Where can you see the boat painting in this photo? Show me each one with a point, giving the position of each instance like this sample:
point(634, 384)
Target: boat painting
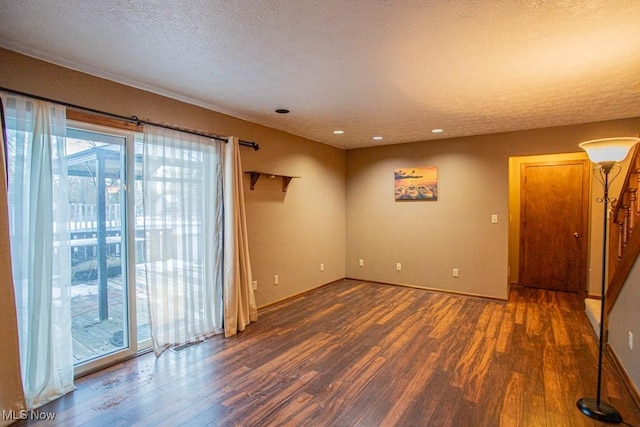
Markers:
point(416, 183)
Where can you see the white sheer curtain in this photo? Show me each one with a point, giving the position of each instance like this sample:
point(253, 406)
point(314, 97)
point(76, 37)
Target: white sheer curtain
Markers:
point(239, 300)
point(38, 211)
point(183, 208)
point(11, 392)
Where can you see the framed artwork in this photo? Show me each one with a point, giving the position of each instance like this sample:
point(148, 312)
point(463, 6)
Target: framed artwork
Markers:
point(416, 183)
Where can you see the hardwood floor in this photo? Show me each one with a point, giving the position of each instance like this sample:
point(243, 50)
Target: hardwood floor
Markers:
point(365, 354)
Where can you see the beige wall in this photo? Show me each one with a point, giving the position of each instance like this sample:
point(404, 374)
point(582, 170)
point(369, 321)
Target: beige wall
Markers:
point(432, 238)
point(625, 318)
point(292, 233)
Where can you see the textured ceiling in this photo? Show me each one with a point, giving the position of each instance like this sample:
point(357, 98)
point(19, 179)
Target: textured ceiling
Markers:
point(394, 68)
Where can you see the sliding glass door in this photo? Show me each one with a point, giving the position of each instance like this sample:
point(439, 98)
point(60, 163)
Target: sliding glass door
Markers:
point(108, 295)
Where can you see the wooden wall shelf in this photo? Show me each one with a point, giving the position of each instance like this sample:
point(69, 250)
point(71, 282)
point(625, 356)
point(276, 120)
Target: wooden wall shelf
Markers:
point(255, 176)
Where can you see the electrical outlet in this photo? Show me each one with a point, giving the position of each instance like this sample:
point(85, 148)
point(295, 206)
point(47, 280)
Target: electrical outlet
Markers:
point(494, 219)
point(361, 263)
point(455, 273)
point(630, 340)
point(321, 267)
point(255, 285)
point(276, 279)
point(398, 266)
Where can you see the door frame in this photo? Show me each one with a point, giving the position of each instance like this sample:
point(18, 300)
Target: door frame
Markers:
point(585, 227)
point(513, 264)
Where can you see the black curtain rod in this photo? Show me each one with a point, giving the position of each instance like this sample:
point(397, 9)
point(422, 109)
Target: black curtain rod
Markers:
point(132, 119)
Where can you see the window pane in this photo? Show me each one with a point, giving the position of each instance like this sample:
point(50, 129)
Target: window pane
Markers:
point(98, 265)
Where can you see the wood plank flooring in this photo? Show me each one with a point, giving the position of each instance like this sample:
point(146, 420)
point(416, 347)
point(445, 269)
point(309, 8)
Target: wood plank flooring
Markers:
point(365, 354)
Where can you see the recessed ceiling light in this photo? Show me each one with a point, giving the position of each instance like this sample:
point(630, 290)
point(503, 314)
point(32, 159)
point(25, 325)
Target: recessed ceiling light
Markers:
point(338, 132)
point(437, 130)
point(282, 111)
point(377, 138)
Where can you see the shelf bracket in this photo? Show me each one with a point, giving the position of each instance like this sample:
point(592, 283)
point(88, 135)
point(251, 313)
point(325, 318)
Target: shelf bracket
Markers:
point(285, 183)
point(255, 176)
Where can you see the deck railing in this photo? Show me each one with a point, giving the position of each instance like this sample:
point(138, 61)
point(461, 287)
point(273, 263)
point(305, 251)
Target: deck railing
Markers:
point(84, 216)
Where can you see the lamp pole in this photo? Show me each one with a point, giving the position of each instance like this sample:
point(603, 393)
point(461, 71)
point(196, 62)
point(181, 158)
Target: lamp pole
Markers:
point(595, 408)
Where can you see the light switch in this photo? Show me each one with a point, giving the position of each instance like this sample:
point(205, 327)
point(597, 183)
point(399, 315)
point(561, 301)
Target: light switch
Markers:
point(494, 219)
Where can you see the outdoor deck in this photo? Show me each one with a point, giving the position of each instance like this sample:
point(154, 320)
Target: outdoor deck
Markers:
point(93, 338)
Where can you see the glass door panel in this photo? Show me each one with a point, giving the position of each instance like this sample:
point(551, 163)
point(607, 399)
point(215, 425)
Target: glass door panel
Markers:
point(97, 205)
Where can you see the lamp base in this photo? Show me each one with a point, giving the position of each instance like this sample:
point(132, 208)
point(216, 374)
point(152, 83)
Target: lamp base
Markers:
point(603, 412)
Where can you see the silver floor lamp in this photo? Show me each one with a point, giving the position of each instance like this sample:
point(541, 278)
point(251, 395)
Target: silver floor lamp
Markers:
point(604, 152)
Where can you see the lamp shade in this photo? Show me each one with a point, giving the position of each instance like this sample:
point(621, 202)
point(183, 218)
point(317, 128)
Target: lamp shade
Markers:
point(608, 150)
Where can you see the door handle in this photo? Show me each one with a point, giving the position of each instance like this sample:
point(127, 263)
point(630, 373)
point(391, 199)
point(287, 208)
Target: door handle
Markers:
point(576, 235)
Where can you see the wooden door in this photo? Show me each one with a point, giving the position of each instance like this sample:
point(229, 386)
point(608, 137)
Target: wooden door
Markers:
point(554, 225)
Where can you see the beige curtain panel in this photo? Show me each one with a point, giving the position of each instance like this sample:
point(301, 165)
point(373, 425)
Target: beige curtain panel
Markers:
point(239, 300)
